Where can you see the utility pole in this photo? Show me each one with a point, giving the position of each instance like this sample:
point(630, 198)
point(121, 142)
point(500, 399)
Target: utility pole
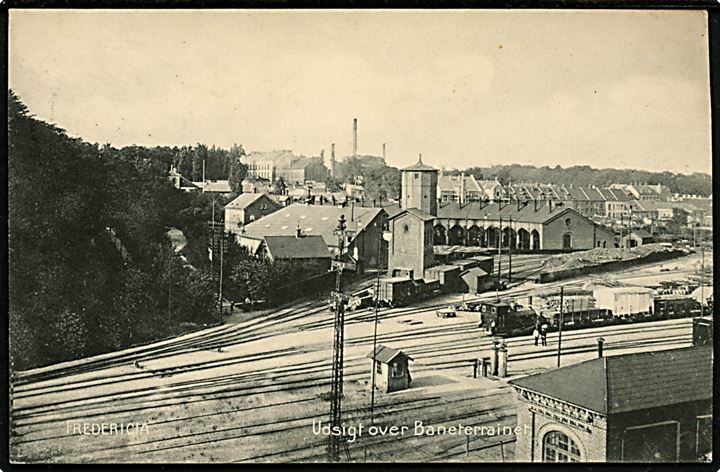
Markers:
point(336, 391)
point(499, 238)
point(510, 241)
point(560, 326)
point(702, 276)
point(377, 299)
point(223, 248)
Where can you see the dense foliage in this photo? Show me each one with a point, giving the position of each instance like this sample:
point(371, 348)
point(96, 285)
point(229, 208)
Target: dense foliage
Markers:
point(90, 268)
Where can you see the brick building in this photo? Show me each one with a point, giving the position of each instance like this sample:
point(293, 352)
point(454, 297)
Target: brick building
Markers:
point(641, 407)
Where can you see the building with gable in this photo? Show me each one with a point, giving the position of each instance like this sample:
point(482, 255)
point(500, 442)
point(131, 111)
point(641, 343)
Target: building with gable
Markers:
point(640, 407)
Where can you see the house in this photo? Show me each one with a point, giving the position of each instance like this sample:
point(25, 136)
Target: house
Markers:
point(363, 241)
point(300, 248)
point(390, 369)
point(640, 407)
point(459, 188)
point(493, 190)
point(637, 237)
point(246, 208)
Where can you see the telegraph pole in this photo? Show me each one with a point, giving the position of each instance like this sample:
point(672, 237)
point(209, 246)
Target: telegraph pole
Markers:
point(510, 241)
point(499, 252)
point(336, 391)
point(560, 326)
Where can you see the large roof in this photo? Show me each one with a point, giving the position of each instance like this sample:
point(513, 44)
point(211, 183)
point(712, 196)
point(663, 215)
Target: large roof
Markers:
point(291, 247)
point(525, 212)
point(629, 382)
point(385, 354)
point(313, 220)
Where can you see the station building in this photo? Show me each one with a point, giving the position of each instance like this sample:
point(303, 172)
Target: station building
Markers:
point(640, 407)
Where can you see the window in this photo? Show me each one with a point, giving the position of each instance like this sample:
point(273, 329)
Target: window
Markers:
point(417, 176)
point(397, 370)
point(558, 447)
point(704, 436)
point(567, 222)
point(378, 367)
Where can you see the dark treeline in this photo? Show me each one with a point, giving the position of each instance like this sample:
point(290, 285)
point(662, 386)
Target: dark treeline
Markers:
point(90, 267)
point(696, 183)
point(381, 182)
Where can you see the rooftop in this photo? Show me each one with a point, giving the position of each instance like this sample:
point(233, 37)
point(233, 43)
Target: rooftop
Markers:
point(629, 382)
point(419, 166)
point(524, 212)
point(244, 200)
point(292, 247)
point(313, 220)
point(385, 354)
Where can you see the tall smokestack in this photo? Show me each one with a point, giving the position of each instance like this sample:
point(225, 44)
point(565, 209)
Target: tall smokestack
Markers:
point(383, 151)
point(332, 159)
point(462, 188)
point(354, 137)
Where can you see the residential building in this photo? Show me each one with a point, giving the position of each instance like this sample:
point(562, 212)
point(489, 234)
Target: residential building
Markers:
point(246, 208)
point(459, 188)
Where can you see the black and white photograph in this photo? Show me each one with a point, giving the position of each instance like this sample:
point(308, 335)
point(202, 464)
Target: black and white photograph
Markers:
point(359, 236)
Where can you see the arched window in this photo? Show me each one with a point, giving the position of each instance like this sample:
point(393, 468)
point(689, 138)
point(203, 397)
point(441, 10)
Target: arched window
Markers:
point(558, 447)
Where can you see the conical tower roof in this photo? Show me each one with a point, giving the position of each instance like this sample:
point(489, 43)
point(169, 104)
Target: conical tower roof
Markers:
point(419, 166)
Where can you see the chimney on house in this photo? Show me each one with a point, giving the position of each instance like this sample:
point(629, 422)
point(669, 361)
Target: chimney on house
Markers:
point(354, 137)
point(298, 231)
point(551, 205)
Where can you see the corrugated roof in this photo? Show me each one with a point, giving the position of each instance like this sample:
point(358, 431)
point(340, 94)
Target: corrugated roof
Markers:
point(291, 247)
point(385, 354)
point(629, 382)
point(313, 220)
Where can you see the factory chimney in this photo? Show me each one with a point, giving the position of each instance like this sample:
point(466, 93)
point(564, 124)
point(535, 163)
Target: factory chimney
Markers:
point(354, 137)
point(383, 151)
point(332, 159)
point(462, 188)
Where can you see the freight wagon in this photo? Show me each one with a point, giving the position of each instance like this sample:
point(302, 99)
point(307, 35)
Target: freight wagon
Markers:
point(400, 291)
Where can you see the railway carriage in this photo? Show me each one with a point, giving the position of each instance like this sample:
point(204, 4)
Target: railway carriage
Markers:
point(400, 291)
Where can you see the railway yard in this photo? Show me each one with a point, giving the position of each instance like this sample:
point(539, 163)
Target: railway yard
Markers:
point(254, 390)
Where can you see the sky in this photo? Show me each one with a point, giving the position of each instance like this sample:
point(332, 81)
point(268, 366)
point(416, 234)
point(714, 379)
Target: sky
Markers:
point(620, 89)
